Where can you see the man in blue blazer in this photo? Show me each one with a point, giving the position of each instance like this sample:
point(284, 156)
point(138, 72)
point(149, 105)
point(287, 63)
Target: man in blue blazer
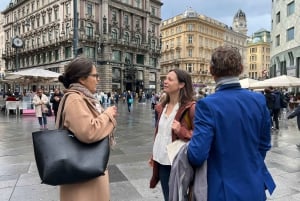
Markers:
point(232, 132)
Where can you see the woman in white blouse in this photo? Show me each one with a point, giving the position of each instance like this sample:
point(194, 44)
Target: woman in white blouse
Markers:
point(171, 124)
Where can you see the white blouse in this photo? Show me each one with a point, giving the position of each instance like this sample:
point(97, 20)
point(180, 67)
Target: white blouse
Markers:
point(164, 136)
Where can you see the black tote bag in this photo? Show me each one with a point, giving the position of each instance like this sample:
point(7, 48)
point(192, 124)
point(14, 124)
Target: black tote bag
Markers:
point(62, 159)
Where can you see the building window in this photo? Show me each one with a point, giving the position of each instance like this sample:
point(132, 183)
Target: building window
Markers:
point(55, 14)
point(50, 17)
point(153, 44)
point(190, 27)
point(126, 37)
point(190, 39)
point(68, 52)
point(140, 59)
point(116, 55)
point(50, 56)
point(68, 10)
point(56, 55)
point(291, 57)
point(43, 57)
point(153, 10)
point(277, 40)
point(290, 8)
point(113, 15)
point(44, 19)
point(138, 39)
point(153, 28)
point(89, 9)
point(126, 20)
point(290, 34)
point(49, 35)
point(114, 34)
point(153, 61)
point(190, 53)
point(89, 52)
point(89, 30)
point(138, 3)
point(189, 68)
point(277, 17)
point(68, 28)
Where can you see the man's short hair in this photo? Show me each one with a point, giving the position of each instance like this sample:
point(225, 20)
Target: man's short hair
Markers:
point(226, 61)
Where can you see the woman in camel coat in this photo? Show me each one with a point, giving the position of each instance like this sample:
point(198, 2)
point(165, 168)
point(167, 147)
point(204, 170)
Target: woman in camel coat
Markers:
point(83, 115)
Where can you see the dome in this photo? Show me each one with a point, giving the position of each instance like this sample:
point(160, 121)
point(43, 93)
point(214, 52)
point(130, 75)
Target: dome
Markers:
point(190, 13)
point(240, 14)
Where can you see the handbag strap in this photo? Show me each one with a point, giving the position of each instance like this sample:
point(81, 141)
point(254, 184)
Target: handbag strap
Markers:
point(61, 111)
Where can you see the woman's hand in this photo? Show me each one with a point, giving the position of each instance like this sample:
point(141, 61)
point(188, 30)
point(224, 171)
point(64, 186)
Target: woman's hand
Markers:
point(113, 110)
point(150, 162)
point(176, 126)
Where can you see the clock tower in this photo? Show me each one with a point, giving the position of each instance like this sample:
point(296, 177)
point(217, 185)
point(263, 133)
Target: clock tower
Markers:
point(240, 22)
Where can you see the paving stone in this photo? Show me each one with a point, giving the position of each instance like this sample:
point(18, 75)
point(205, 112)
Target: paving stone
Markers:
point(128, 164)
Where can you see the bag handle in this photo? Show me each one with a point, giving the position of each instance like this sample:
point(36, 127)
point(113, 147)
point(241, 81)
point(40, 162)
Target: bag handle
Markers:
point(61, 111)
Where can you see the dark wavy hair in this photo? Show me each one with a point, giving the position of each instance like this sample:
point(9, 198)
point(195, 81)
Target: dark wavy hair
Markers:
point(186, 93)
point(79, 67)
point(226, 61)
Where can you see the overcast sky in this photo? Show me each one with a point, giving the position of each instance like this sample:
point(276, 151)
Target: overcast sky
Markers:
point(258, 12)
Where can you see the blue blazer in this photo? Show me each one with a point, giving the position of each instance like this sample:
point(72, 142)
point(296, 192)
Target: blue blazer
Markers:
point(232, 132)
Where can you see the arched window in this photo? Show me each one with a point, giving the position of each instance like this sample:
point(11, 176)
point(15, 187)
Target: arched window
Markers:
point(89, 30)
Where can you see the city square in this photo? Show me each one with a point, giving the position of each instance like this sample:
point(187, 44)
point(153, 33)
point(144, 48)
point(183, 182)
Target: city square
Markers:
point(128, 165)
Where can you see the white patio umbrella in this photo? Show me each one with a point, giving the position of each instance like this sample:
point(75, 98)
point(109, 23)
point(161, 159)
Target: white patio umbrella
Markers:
point(280, 81)
point(245, 83)
point(41, 73)
point(31, 76)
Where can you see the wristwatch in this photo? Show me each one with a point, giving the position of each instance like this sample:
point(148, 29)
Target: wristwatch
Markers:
point(17, 42)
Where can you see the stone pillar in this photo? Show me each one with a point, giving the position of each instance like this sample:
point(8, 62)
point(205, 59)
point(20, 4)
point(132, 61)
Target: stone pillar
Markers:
point(105, 72)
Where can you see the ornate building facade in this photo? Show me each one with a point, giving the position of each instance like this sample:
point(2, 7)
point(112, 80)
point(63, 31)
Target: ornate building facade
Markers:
point(258, 58)
point(188, 40)
point(121, 36)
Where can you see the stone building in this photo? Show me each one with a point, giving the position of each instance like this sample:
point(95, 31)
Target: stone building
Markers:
point(285, 49)
point(188, 40)
point(258, 58)
point(120, 36)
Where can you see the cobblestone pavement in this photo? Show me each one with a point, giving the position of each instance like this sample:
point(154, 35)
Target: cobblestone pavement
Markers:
point(129, 170)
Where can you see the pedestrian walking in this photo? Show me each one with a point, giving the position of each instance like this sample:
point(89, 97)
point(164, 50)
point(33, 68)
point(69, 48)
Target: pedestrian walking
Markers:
point(129, 100)
point(232, 132)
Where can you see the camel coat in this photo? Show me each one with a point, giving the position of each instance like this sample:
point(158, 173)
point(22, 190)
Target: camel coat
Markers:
point(81, 117)
point(38, 107)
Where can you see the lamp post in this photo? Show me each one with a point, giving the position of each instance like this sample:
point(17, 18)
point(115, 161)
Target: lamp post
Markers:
point(75, 30)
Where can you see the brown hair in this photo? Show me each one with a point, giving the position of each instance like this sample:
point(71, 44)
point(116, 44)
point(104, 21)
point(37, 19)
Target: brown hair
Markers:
point(186, 93)
point(79, 67)
point(226, 61)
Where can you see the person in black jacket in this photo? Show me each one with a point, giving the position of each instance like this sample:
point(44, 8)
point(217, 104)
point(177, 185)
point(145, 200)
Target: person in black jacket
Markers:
point(55, 100)
point(270, 100)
